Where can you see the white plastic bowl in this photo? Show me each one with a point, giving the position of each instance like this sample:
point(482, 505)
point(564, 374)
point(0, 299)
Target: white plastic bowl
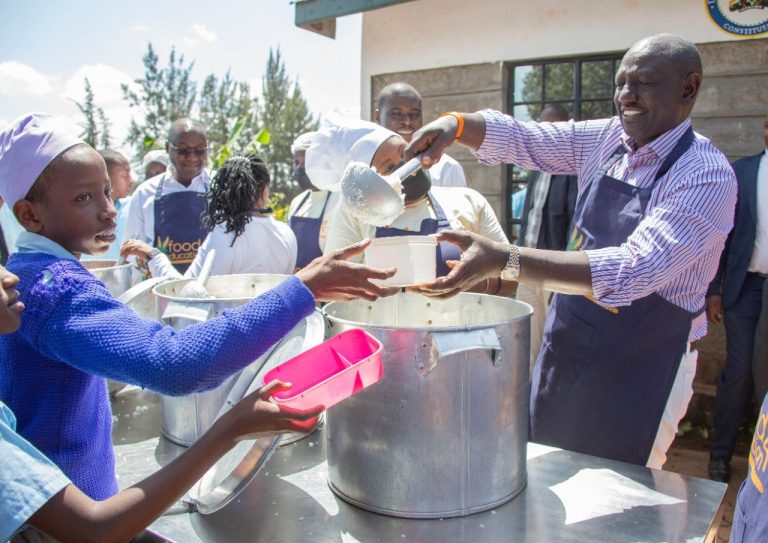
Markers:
point(413, 256)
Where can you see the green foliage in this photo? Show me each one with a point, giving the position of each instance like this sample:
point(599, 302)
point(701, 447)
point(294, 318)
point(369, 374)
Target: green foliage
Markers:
point(220, 103)
point(284, 113)
point(279, 205)
point(95, 136)
point(165, 94)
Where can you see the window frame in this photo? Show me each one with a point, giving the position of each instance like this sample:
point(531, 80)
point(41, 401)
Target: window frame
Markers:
point(512, 178)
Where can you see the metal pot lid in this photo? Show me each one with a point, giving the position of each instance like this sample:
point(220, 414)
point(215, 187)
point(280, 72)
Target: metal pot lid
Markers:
point(236, 469)
point(140, 297)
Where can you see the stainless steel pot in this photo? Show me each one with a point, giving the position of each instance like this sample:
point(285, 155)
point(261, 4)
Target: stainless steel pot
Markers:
point(186, 418)
point(118, 278)
point(444, 432)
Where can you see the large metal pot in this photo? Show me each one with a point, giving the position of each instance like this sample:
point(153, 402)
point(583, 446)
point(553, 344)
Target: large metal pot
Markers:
point(186, 418)
point(118, 278)
point(444, 432)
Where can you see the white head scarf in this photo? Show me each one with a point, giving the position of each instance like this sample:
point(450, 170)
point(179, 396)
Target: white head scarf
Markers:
point(27, 147)
point(302, 142)
point(158, 155)
point(339, 141)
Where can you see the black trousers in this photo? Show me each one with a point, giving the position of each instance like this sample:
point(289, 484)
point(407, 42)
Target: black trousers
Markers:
point(736, 383)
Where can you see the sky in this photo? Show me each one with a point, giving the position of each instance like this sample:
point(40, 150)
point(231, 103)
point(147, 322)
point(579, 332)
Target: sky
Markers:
point(48, 48)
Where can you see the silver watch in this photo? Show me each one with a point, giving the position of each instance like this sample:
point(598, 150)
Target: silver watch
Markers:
point(511, 270)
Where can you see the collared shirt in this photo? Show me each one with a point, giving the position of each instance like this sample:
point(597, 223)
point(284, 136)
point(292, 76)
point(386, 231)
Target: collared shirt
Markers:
point(447, 172)
point(675, 249)
point(29, 242)
point(539, 197)
point(28, 479)
point(759, 261)
point(141, 213)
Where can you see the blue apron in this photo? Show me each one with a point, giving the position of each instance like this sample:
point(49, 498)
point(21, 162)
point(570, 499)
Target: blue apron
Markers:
point(750, 518)
point(603, 377)
point(179, 231)
point(445, 250)
point(307, 232)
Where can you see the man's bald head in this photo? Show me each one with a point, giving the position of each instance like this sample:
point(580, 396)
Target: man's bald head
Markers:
point(397, 89)
point(185, 124)
point(656, 86)
point(679, 51)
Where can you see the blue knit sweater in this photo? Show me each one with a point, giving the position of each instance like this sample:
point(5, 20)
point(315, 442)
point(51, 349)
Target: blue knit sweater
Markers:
point(74, 334)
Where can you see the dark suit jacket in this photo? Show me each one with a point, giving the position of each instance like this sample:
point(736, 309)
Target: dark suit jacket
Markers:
point(741, 241)
point(557, 212)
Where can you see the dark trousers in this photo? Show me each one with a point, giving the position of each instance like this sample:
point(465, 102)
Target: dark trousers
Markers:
point(760, 355)
point(736, 384)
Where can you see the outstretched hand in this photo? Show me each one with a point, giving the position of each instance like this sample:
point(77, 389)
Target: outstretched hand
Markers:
point(481, 258)
point(256, 416)
point(333, 278)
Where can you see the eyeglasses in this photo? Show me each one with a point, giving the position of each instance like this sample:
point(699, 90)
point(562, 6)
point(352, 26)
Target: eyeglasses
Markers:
point(401, 115)
point(186, 152)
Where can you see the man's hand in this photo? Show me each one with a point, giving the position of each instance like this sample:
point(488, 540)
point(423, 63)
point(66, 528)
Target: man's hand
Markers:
point(334, 278)
point(432, 139)
point(714, 309)
point(481, 258)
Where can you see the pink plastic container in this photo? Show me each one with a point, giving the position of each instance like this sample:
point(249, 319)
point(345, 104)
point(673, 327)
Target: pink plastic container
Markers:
point(330, 372)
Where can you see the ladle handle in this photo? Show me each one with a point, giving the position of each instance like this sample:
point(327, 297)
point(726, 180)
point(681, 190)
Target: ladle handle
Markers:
point(205, 271)
point(409, 168)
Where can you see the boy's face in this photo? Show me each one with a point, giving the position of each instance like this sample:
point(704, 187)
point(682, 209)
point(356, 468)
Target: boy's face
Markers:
point(77, 211)
point(120, 175)
point(10, 305)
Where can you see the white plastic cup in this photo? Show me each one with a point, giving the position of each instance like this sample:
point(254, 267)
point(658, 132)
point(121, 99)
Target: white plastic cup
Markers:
point(413, 256)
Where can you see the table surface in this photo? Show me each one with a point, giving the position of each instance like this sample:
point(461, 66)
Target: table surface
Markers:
point(569, 497)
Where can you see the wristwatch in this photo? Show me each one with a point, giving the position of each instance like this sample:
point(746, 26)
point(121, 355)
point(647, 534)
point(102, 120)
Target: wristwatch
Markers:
point(153, 253)
point(511, 270)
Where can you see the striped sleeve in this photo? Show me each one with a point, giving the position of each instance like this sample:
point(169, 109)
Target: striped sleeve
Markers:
point(682, 233)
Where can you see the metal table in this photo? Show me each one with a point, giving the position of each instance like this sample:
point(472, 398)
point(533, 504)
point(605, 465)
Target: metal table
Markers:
point(570, 497)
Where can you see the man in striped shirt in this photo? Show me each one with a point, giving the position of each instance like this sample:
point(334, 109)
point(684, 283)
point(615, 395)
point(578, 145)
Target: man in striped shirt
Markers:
point(655, 205)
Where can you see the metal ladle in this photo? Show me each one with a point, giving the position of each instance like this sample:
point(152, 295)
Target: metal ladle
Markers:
point(372, 198)
point(196, 287)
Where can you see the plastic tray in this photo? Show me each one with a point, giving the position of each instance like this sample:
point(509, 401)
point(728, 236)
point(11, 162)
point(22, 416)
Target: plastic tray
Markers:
point(330, 372)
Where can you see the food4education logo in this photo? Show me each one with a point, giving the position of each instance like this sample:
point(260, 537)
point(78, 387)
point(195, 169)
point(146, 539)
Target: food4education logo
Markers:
point(743, 18)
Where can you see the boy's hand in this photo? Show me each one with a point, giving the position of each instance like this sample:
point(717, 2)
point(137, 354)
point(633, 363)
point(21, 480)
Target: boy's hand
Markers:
point(255, 416)
point(333, 278)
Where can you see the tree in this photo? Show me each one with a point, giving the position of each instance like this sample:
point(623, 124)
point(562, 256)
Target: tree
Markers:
point(282, 111)
point(164, 95)
point(91, 132)
point(221, 105)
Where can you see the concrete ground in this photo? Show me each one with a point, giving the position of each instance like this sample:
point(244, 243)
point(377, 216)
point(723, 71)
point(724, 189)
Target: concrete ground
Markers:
point(694, 463)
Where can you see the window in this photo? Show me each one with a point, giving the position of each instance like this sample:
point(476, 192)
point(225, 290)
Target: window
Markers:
point(584, 86)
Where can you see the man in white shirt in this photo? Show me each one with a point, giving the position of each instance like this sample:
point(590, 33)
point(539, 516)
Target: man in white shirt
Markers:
point(735, 298)
point(399, 109)
point(165, 210)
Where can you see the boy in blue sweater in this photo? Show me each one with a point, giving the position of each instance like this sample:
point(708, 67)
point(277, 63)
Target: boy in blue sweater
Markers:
point(75, 334)
point(34, 491)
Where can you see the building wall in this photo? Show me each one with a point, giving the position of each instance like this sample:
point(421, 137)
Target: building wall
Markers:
point(456, 53)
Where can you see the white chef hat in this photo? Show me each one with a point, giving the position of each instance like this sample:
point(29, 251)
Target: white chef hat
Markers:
point(158, 155)
point(339, 141)
point(302, 143)
point(27, 147)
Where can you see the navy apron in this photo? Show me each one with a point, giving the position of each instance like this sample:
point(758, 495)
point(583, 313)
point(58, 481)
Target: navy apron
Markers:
point(307, 232)
point(445, 250)
point(750, 518)
point(179, 230)
point(603, 377)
